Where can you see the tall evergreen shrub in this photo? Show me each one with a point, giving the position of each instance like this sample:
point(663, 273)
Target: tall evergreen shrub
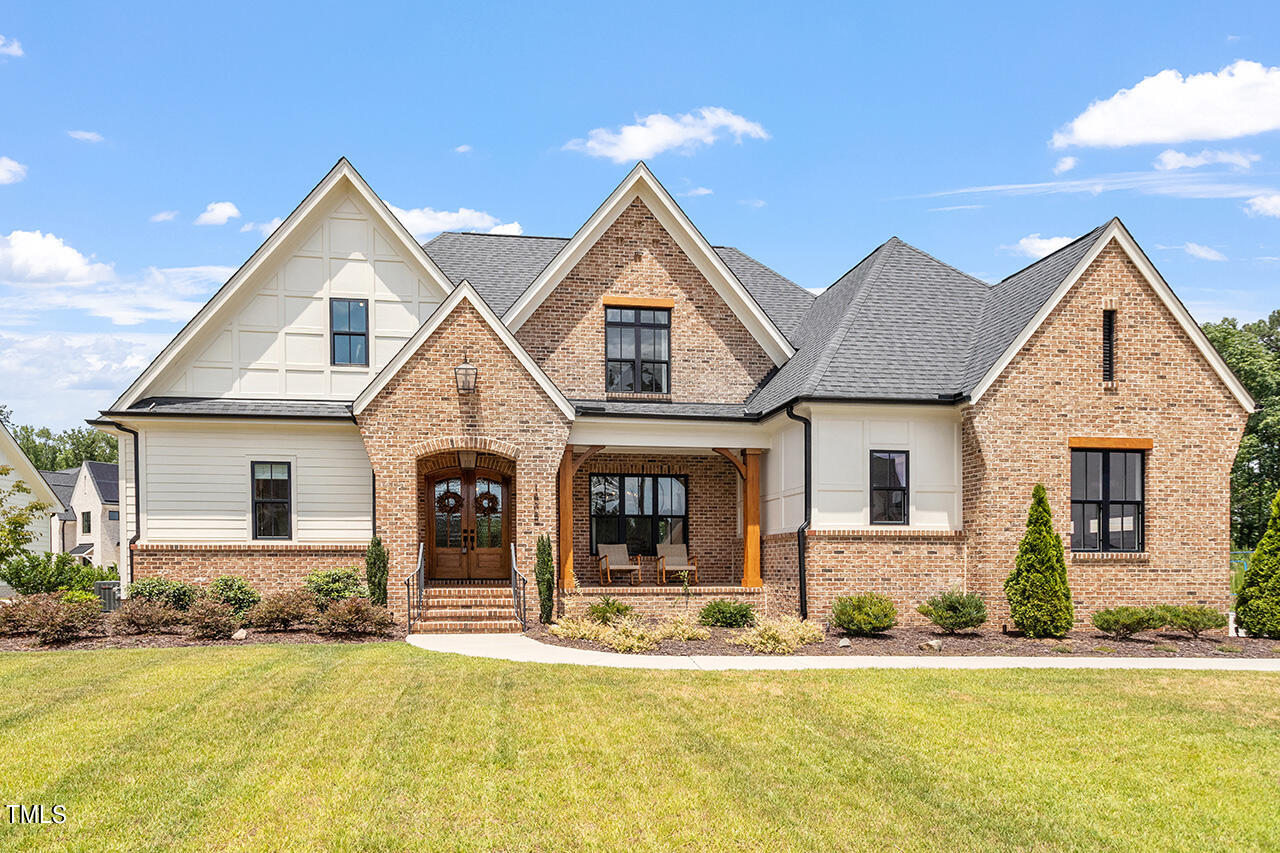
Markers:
point(1258, 604)
point(376, 563)
point(544, 572)
point(1039, 598)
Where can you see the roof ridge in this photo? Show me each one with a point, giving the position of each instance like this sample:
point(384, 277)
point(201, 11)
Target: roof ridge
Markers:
point(487, 234)
point(1058, 250)
point(943, 263)
point(841, 330)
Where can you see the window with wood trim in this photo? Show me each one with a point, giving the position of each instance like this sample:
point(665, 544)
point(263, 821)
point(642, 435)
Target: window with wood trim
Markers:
point(272, 500)
point(349, 324)
point(1107, 504)
point(1108, 346)
point(889, 487)
point(641, 510)
point(637, 349)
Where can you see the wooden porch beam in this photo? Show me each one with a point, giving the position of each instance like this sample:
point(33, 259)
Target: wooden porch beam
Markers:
point(581, 458)
point(732, 456)
point(751, 520)
point(566, 520)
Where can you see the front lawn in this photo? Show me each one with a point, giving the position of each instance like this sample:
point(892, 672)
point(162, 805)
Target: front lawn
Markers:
point(385, 747)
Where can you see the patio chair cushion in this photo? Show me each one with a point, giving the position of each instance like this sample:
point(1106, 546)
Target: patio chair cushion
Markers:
point(616, 554)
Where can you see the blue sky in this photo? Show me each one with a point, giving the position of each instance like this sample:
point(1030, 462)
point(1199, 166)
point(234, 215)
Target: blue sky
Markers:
point(819, 132)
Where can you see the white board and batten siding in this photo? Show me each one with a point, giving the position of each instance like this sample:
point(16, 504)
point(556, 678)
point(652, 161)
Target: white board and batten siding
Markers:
point(197, 481)
point(276, 343)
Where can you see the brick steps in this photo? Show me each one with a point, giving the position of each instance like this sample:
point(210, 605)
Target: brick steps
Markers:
point(467, 610)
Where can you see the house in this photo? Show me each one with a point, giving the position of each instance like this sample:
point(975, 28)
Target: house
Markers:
point(635, 384)
point(21, 469)
point(89, 527)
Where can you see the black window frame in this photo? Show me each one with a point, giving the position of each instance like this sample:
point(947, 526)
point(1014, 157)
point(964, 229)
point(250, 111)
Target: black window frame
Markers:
point(113, 515)
point(1109, 345)
point(636, 326)
point(86, 522)
point(255, 500)
point(347, 334)
point(1104, 503)
point(905, 488)
point(655, 517)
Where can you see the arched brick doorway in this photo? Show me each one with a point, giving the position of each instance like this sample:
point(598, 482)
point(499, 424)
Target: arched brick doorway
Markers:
point(466, 515)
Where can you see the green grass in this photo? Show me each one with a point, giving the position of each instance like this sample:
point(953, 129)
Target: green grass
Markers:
point(385, 747)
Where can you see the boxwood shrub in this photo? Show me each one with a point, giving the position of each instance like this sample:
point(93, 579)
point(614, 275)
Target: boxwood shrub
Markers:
point(954, 611)
point(862, 615)
point(723, 613)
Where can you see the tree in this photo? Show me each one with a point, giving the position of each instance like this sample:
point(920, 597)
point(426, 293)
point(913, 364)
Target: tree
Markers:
point(1258, 604)
point(376, 562)
point(17, 515)
point(6, 416)
point(1253, 354)
point(1039, 598)
point(67, 449)
point(545, 574)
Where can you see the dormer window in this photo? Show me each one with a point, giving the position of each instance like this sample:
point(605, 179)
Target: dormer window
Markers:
point(637, 345)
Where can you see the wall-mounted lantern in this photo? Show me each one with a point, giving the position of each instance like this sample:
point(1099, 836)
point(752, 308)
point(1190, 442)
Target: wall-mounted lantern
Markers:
point(465, 374)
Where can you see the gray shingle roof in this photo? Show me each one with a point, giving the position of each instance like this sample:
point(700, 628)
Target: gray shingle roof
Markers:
point(238, 408)
point(106, 477)
point(502, 267)
point(642, 408)
point(63, 484)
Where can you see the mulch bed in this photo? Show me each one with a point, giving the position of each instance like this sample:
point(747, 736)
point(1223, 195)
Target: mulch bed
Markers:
point(181, 638)
point(907, 641)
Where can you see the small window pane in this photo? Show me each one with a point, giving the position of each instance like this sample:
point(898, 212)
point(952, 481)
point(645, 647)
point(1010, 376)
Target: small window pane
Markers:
point(341, 349)
point(1077, 476)
point(613, 342)
point(627, 315)
point(341, 315)
point(640, 535)
point(606, 531)
point(647, 344)
point(628, 343)
point(671, 531)
point(663, 318)
point(660, 344)
point(660, 378)
point(611, 315)
point(358, 355)
point(272, 519)
point(604, 495)
point(359, 322)
point(888, 507)
point(888, 469)
point(1093, 476)
point(646, 316)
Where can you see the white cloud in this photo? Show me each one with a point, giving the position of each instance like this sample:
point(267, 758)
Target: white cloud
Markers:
point(424, 221)
point(85, 135)
point(11, 171)
point(656, 133)
point(1204, 253)
point(163, 216)
point(263, 228)
point(955, 207)
point(217, 213)
point(1065, 164)
point(1240, 100)
point(1170, 159)
point(695, 192)
point(1035, 246)
point(1264, 205)
point(40, 272)
point(1178, 184)
point(753, 203)
point(10, 47)
point(462, 149)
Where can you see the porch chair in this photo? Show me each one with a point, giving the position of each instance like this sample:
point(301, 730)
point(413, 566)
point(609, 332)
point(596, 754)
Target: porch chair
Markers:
point(673, 559)
point(613, 560)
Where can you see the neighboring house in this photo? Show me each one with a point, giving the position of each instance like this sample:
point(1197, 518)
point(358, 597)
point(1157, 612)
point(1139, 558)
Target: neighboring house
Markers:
point(89, 529)
point(12, 457)
point(635, 384)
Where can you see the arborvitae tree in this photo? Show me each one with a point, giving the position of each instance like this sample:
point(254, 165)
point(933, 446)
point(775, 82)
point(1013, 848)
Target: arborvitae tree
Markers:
point(1039, 598)
point(1258, 604)
point(376, 562)
point(545, 574)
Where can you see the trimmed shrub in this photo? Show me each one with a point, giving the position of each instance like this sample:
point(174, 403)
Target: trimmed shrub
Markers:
point(376, 566)
point(682, 629)
point(778, 636)
point(1196, 619)
point(55, 621)
point(1164, 614)
point(1123, 622)
point(723, 613)
point(1258, 604)
point(176, 594)
point(954, 610)
point(544, 573)
point(212, 620)
point(15, 617)
point(1039, 598)
point(353, 616)
point(579, 628)
point(607, 609)
point(862, 615)
point(139, 616)
point(330, 585)
point(32, 574)
point(235, 592)
point(283, 611)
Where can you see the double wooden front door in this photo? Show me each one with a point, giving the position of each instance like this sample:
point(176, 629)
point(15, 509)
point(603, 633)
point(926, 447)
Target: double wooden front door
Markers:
point(469, 524)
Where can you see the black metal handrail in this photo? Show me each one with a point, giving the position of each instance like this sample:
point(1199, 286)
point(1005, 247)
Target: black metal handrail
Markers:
point(518, 593)
point(413, 589)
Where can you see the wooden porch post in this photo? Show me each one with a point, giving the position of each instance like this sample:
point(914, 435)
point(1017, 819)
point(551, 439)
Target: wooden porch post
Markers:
point(751, 520)
point(566, 520)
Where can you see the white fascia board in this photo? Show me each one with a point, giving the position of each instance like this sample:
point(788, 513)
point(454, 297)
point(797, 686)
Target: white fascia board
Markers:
point(464, 291)
point(641, 183)
point(667, 433)
point(343, 173)
point(1116, 231)
point(25, 471)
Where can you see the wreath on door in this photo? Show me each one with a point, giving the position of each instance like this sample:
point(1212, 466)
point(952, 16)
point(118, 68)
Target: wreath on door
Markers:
point(487, 503)
point(449, 503)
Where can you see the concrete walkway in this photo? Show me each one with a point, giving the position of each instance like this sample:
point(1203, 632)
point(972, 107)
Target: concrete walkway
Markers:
point(517, 647)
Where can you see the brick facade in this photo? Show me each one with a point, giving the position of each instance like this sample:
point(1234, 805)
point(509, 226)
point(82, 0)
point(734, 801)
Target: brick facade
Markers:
point(712, 505)
point(269, 568)
point(713, 356)
point(419, 413)
point(1017, 435)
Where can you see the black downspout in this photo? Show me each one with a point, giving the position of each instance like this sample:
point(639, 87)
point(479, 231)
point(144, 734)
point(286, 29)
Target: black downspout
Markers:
point(137, 500)
point(802, 533)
